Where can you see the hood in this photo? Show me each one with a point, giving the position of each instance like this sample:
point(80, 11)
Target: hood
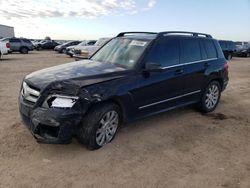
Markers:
point(71, 47)
point(92, 47)
point(86, 71)
point(59, 46)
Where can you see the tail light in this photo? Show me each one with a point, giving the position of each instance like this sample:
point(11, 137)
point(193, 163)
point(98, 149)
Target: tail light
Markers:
point(7, 45)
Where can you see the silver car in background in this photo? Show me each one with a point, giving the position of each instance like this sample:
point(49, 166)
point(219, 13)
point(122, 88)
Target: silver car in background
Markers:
point(85, 52)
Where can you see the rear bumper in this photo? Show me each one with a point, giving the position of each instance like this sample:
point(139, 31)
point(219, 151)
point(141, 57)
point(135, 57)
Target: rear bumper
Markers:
point(225, 83)
point(50, 126)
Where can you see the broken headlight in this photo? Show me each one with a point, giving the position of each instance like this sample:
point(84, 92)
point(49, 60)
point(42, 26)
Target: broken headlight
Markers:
point(60, 101)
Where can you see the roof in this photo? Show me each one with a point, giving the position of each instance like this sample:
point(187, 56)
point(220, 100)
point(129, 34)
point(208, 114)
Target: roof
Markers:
point(6, 26)
point(141, 37)
point(153, 35)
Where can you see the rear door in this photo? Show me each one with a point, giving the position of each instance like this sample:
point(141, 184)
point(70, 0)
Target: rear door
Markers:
point(157, 91)
point(15, 44)
point(197, 55)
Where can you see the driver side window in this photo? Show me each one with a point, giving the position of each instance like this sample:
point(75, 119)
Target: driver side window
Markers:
point(166, 52)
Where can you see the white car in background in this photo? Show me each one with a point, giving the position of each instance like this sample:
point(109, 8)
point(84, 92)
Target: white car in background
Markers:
point(4, 48)
point(85, 52)
point(70, 49)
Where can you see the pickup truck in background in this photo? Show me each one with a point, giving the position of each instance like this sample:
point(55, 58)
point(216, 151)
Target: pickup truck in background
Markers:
point(4, 48)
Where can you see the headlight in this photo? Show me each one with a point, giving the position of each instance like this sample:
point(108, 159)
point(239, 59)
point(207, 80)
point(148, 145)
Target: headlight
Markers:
point(84, 53)
point(60, 101)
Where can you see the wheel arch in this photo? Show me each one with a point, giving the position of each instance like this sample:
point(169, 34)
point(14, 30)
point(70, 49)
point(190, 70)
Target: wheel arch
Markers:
point(218, 79)
point(115, 100)
point(21, 47)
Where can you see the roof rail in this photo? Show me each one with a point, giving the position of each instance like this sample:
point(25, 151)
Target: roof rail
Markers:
point(184, 32)
point(135, 32)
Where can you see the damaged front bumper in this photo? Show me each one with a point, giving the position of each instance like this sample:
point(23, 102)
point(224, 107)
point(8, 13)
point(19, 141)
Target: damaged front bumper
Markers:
point(50, 125)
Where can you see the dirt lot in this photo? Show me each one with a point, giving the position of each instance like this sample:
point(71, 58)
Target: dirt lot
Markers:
point(181, 148)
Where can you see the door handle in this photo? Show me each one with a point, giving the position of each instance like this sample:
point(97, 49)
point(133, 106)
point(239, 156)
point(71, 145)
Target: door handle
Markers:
point(179, 71)
point(206, 65)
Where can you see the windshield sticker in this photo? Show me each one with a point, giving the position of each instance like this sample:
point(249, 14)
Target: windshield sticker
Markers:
point(138, 43)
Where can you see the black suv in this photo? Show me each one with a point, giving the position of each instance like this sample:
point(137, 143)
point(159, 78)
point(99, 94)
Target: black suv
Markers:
point(132, 76)
point(21, 45)
point(228, 48)
point(46, 45)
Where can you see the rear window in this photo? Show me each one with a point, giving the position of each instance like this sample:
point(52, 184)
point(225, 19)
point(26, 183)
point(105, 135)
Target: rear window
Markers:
point(190, 50)
point(26, 40)
point(210, 49)
point(14, 40)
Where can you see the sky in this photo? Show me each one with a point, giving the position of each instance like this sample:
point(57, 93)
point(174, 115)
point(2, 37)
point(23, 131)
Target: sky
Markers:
point(92, 19)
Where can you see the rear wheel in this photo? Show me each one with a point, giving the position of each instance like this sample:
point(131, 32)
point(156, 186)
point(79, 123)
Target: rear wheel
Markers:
point(24, 50)
point(210, 97)
point(99, 126)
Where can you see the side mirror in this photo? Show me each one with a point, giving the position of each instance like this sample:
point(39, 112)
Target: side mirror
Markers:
point(153, 66)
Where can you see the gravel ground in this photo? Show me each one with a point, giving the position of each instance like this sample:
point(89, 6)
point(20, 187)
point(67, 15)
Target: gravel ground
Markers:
point(180, 148)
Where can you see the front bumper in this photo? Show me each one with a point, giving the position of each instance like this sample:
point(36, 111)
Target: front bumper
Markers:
point(79, 57)
point(50, 126)
point(69, 52)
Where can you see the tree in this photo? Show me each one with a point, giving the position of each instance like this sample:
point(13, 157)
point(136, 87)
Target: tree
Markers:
point(47, 38)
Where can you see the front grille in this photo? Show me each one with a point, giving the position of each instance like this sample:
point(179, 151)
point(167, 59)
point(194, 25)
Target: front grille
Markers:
point(29, 94)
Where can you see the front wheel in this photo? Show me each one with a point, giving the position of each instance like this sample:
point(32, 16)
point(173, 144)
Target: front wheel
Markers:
point(99, 126)
point(64, 51)
point(210, 97)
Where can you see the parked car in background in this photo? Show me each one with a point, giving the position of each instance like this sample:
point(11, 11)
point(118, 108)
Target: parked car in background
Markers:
point(132, 76)
point(62, 47)
point(228, 48)
point(46, 45)
point(70, 49)
point(35, 42)
point(242, 49)
point(84, 52)
point(4, 47)
point(21, 45)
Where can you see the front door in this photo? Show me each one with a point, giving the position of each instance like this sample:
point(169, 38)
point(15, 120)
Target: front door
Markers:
point(158, 90)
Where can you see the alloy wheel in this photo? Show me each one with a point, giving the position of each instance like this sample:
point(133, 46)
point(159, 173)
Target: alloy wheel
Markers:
point(212, 96)
point(107, 128)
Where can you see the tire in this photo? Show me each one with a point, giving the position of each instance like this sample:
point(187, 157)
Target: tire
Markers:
point(99, 126)
point(248, 55)
point(24, 50)
point(0, 56)
point(210, 97)
point(38, 48)
point(63, 51)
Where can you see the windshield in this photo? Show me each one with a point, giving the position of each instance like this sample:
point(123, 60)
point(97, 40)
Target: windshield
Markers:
point(83, 43)
point(121, 52)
